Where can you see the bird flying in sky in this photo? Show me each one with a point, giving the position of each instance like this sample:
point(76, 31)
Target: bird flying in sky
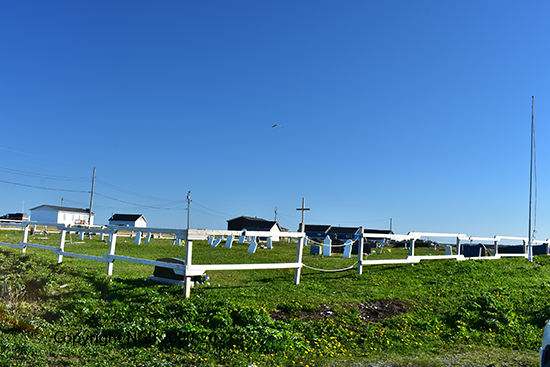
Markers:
point(275, 125)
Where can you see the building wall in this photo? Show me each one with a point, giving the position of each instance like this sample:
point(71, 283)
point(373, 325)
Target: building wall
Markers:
point(72, 218)
point(141, 223)
point(44, 215)
point(275, 229)
point(67, 218)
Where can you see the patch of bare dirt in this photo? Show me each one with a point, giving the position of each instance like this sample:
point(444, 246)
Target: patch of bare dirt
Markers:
point(378, 310)
point(369, 311)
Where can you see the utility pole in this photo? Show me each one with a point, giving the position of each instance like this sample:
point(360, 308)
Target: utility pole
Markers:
point(275, 214)
point(188, 208)
point(91, 200)
point(391, 219)
point(61, 201)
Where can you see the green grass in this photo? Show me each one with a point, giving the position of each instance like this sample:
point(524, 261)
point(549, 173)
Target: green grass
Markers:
point(489, 312)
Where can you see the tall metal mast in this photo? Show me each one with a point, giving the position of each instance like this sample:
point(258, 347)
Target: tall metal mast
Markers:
point(529, 248)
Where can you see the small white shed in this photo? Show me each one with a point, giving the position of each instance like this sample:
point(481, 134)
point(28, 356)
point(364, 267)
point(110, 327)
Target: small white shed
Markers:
point(61, 215)
point(128, 220)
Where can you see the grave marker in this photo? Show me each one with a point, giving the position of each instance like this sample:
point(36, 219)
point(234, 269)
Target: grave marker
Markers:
point(347, 248)
point(229, 241)
point(253, 245)
point(327, 243)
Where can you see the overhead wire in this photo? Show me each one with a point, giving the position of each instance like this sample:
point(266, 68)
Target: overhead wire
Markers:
point(114, 187)
point(98, 206)
point(212, 210)
point(34, 155)
point(136, 204)
point(333, 221)
point(44, 188)
point(41, 175)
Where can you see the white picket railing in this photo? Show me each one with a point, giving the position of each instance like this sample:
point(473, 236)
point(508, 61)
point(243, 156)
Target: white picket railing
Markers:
point(187, 269)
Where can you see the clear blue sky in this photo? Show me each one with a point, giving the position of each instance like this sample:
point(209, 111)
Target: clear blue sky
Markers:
point(418, 111)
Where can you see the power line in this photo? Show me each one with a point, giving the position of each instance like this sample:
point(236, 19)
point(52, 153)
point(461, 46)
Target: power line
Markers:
point(43, 188)
point(284, 220)
point(176, 202)
point(40, 175)
point(333, 221)
point(34, 155)
point(107, 207)
point(212, 210)
point(140, 205)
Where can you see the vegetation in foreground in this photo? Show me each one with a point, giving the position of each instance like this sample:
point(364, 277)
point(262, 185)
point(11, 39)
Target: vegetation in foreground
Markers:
point(436, 313)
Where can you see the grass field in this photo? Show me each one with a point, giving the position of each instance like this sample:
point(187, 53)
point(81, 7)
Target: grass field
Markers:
point(435, 313)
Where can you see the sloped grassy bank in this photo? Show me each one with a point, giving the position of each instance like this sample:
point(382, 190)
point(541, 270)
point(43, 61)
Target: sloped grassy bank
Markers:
point(435, 313)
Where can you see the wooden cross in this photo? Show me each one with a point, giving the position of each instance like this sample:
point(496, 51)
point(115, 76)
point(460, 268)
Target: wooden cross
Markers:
point(303, 209)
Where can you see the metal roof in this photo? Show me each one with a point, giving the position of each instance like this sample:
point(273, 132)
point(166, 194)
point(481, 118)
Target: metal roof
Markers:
point(64, 209)
point(127, 217)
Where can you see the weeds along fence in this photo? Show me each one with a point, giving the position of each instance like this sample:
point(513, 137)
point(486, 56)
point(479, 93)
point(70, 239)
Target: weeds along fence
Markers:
point(187, 269)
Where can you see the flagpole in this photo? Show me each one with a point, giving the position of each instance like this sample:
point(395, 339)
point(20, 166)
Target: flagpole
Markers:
point(529, 247)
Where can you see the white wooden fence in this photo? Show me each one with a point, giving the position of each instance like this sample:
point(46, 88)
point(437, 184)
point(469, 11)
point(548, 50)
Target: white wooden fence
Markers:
point(188, 269)
point(460, 238)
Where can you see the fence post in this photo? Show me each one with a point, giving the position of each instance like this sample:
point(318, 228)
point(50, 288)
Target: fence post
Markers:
point(25, 238)
point(496, 246)
point(188, 262)
point(360, 251)
point(299, 253)
point(112, 247)
point(411, 247)
point(458, 246)
point(61, 246)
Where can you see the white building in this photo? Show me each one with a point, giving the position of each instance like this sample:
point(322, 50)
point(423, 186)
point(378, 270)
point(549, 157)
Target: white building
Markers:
point(61, 215)
point(128, 220)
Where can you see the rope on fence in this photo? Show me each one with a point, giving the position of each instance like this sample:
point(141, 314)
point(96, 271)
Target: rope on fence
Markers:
point(322, 243)
point(331, 270)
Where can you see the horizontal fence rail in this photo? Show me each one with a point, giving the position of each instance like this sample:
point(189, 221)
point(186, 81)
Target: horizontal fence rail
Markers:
point(187, 269)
